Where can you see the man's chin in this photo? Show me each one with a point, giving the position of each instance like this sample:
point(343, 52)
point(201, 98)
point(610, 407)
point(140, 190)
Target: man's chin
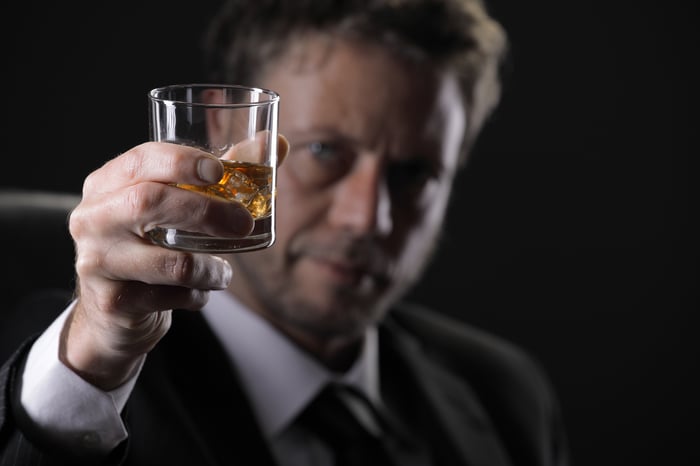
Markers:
point(337, 308)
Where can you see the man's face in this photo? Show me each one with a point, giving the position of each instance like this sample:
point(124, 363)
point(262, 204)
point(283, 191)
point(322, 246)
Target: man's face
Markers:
point(363, 191)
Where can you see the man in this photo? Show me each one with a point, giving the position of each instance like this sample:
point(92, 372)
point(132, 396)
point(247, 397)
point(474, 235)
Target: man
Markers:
point(381, 102)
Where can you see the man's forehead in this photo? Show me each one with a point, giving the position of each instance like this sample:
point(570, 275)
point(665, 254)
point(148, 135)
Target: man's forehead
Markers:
point(360, 91)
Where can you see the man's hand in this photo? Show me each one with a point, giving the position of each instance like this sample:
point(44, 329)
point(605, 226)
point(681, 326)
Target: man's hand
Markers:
point(127, 286)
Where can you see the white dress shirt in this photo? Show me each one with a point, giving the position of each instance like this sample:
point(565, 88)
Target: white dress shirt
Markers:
point(280, 381)
point(283, 379)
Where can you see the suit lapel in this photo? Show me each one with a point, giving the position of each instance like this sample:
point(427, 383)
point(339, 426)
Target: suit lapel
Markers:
point(212, 406)
point(444, 407)
point(210, 397)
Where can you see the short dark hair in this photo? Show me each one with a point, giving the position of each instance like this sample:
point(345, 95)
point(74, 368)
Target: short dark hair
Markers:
point(246, 35)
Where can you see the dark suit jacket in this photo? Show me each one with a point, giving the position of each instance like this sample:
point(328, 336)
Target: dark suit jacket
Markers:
point(476, 399)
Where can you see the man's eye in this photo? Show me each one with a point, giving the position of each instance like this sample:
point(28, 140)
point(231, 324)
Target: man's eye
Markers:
point(321, 163)
point(334, 159)
point(322, 151)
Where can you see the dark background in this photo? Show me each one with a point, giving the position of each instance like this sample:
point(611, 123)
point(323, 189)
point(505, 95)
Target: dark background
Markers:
point(570, 233)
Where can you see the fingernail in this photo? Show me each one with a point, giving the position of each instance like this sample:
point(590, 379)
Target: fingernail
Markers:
point(226, 273)
point(209, 170)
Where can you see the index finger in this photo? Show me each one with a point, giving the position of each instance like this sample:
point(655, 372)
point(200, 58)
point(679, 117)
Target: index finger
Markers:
point(161, 162)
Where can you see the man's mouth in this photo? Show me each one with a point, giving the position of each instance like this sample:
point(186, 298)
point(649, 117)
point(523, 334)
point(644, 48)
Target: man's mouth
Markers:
point(339, 271)
point(344, 262)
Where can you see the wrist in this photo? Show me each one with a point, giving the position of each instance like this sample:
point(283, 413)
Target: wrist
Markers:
point(105, 358)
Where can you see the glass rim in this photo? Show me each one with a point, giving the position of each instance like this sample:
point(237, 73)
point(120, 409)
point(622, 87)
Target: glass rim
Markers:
point(272, 96)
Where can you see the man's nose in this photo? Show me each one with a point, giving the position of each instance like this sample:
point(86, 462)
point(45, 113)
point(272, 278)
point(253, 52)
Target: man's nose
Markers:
point(361, 200)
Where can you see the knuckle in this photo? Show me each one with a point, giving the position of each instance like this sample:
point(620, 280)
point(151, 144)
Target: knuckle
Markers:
point(86, 263)
point(133, 162)
point(180, 266)
point(89, 183)
point(76, 223)
point(142, 197)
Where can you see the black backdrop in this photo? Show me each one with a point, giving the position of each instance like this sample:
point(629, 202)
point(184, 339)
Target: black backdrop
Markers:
point(570, 232)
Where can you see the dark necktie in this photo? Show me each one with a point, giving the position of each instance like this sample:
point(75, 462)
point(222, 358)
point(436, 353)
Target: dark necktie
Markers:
point(331, 420)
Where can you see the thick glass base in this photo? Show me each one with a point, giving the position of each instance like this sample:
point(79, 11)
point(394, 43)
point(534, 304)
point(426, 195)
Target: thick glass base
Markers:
point(260, 238)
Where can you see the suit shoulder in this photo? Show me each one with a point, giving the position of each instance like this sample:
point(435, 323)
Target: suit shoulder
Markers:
point(511, 384)
point(488, 361)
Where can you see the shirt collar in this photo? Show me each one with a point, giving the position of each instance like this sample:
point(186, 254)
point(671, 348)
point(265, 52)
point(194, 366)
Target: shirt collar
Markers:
point(282, 379)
